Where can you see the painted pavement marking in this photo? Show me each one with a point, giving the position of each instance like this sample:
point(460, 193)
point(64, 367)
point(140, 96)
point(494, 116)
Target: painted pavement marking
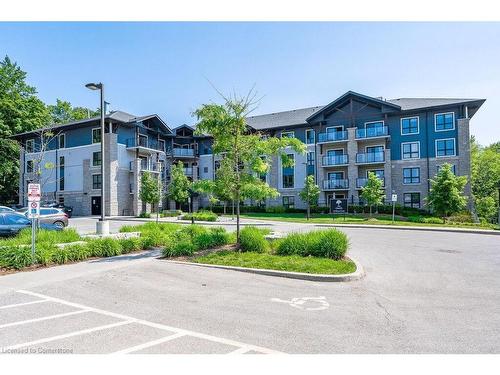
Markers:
point(318, 303)
point(23, 304)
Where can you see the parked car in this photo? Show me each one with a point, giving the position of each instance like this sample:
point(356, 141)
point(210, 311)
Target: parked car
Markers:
point(67, 209)
point(12, 223)
point(49, 215)
point(6, 209)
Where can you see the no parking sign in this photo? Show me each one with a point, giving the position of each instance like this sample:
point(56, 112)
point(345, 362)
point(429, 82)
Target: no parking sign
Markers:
point(34, 210)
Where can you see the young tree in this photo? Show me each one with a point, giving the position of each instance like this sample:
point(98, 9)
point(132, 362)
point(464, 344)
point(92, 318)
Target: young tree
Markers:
point(150, 191)
point(20, 111)
point(446, 193)
point(243, 150)
point(373, 191)
point(178, 189)
point(310, 194)
point(63, 112)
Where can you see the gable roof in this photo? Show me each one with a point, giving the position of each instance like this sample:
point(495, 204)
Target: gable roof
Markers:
point(282, 119)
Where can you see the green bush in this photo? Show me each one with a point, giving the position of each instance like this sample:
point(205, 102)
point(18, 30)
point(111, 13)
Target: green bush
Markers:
point(329, 243)
point(275, 210)
point(211, 238)
point(427, 220)
point(130, 244)
point(78, 252)
point(252, 239)
point(169, 213)
point(181, 248)
point(60, 255)
point(144, 215)
point(201, 215)
point(463, 217)
point(43, 254)
point(42, 236)
point(104, 247)
point(16, 257)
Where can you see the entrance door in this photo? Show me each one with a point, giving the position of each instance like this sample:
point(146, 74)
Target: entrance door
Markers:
point(96, 205)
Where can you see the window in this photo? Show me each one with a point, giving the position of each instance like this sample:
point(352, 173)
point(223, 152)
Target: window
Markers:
point(288, 201)
point(161, 145)
point(96, 135)
point(288, 134)
point(445, 147)
point(288, 175)
point(409, 125)
point(15, 220)
point(29, 166)
point(453, 169)
point(96, 159)
point(61, 172)
point(410, 150)
point(62, 140)
point(444, 121)
point(61, 199)
point(310, 136)
point(311, 156)
point(377, 172)
point(411, 175)
point(205, 169)
point(216, 165)
point(374, 149)
point(411, 200)
point(30, 145)
point(96, 181)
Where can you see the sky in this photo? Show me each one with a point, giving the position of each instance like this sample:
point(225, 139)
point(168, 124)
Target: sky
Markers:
point(172, 68)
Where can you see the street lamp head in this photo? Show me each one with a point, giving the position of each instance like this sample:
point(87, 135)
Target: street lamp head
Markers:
point(94, 86)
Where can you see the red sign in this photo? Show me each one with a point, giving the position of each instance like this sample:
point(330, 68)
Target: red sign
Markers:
point(34, 192)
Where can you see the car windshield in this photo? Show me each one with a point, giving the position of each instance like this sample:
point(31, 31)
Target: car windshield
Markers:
point(16, 220)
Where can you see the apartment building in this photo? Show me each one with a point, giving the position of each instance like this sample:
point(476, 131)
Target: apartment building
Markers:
point(403, 141)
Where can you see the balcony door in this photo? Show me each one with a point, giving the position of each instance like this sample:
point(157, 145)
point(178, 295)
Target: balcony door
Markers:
point(374, 149)
point(335, 176)
point(333, 153)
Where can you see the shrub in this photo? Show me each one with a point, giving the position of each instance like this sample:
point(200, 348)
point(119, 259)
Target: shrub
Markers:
point(60, 255)
point(252, 239)
point(428, 220)
point(145, 215)
point(182, 248)
point(77, 252)
point(16, 257)
point(104, 247)
point(130, 244)
point(211, 238)
point(169, 213)
point(275, 209)
point(201, 215)
point(329, 243)
point(462, 217)
point(43, 254)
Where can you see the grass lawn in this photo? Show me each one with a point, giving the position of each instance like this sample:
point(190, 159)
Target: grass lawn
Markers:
point(355, 219)
point(293, 263)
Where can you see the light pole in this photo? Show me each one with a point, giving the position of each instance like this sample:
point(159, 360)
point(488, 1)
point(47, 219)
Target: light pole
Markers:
point(102, 225)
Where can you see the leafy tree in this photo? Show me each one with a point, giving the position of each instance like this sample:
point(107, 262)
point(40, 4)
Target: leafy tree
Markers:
point(63, 112)
point(242, 149)
point(446, 193)
point(20, 111)
point(486, 207)
point(310, 194)
point(179, 187)
point(150, 191)
point(373, 192)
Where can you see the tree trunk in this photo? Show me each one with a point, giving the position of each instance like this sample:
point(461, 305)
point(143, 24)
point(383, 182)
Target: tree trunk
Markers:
point(238, 217)
point(225, 203)
point(308, 211)
point(370, 210)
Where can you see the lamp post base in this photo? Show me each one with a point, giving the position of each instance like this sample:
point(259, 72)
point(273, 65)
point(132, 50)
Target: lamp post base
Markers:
point(102, 228)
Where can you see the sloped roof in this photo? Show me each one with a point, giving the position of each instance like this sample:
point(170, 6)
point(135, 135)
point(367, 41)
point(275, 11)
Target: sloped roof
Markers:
point(408, 104)
point(281, 119)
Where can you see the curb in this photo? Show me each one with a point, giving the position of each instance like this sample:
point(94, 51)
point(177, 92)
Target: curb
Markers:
point(219, 223)
point(429, 229)
point(356, 275)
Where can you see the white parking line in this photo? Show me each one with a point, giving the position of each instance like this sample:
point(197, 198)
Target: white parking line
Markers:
point(59, 337)
point(23, 304)
point(150, 344)
point(43, 318)
point(154, 325)
point(240, 350)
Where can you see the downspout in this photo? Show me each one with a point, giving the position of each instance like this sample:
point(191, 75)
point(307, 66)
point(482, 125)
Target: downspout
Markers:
point(427, 151)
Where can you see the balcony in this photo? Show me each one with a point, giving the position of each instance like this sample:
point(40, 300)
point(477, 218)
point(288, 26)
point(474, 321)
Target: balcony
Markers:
point(376, 132)
point(361, 182)
point(144, 144)
point(335, 160)
point(183, 153)
point(337, 136)
point(370, 158)
point(188, 171)
point(339, 184)
point(145, 166)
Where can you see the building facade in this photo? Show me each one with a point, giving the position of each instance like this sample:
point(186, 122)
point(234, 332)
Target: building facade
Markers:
point(403, 141)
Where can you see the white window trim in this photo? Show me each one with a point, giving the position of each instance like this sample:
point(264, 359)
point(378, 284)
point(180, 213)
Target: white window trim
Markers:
point(445, 156)
point(402, 153)
point(374, 122)
point(32, 142)
point(443, 113)
point(93, 165)
point(92, 140)
point(419, 175)
point(288, 132)
point(409, 118)
point(288, 196)
point(294, 173)
point(59, 141)
point(314, 133)
point(92, 181)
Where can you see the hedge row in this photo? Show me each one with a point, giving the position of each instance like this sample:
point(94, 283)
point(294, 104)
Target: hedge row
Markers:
point(201, 215)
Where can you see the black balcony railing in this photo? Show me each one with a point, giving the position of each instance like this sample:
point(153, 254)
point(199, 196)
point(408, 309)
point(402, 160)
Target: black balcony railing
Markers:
point(332, 136)
point(370, 157)
point(378, 131)
point(361, 182)
point(336, 184)
point(335, 160)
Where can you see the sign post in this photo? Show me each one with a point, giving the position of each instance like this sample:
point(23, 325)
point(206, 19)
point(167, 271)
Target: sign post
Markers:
point(34, 195)
point(338, 206)
point(394, 199)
